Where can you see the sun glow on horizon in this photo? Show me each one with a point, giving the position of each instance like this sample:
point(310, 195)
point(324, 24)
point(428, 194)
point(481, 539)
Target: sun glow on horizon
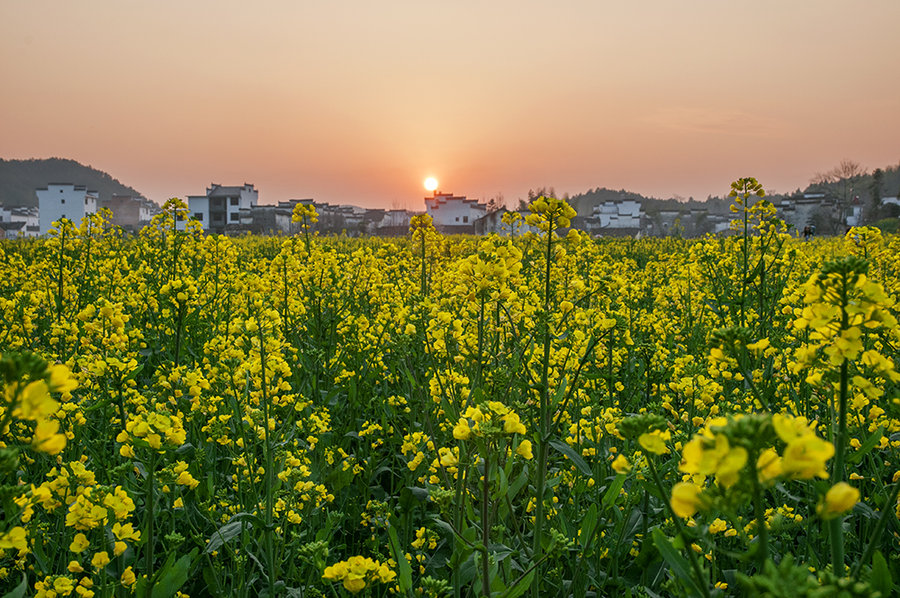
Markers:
point(431, 183)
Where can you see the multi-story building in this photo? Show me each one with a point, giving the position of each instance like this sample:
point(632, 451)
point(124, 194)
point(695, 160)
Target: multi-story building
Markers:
point(221, 207)
point(454, 214)
point(64, 200)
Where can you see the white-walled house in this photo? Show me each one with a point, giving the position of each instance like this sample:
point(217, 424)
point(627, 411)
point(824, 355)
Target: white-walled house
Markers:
point(626, 213)
point(21, 221)
point(221, 206)
point(29, 217)
point(64, 200)
point(454, 214)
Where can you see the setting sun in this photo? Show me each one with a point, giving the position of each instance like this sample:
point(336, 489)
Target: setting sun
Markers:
point(431, 183)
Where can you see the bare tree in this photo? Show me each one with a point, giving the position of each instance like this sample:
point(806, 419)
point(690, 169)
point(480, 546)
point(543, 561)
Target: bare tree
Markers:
point(498, 202)
point(821, 178)
point(847, 169)
point(842, 177)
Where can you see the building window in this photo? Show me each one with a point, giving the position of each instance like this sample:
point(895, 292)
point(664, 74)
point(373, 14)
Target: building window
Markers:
point(465, 218)
point(85, 201)
point(235, 216)
point(63, 200)
point(198, 216)
point(234, 201)
point(457, 218)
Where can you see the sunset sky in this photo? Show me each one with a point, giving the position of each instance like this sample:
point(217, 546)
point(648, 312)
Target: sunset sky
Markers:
point(360, 101)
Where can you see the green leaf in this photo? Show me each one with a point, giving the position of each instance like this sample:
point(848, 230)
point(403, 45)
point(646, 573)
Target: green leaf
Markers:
point(443, 525)
point(881, 575)
point(226, 533)
point(503, 486)
point(677, 563)
point(19, 590)
point(866, 447)
point(520, 587)
point(518, 484)
point(404, 577)
point(587, 527)
point(612, 492)
point(468, 570)
point(37, 549)
point(574, 457)
point(172, 576)
point(560, 393)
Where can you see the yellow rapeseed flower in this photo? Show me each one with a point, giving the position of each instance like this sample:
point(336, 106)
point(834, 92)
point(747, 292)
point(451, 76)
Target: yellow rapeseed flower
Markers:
point(805, 457)
point(524, 450)
point(621, 464)
point(685, 499)
point(839, 499)
point(655, 441)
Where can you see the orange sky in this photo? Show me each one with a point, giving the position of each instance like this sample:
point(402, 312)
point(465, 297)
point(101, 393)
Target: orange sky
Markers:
point(359, 101)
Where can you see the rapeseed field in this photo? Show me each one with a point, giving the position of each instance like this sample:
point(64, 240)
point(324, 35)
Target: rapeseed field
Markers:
point(535, 414)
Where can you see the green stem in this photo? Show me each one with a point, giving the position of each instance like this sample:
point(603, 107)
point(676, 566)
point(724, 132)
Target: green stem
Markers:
point(423, 283)
point(485, 525)
point(543, 423)
point(841, 436)
point(270, 469)
point(746, 256)
point(834, 526)
point(306, 235)
point(886, 511)
point(762, 530)
point(695, 566)
point(838, 473)
point(148, 515)
point(59, 280)
point(458, 517)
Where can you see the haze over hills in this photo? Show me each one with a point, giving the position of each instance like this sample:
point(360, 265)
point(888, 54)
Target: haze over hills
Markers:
point(19, 179)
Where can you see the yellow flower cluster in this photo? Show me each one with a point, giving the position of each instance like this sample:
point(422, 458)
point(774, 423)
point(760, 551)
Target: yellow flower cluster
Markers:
point(710, 453)
point(841, 303)
point(155, 430)
point(549, 214)
point(305, 213)
point(357, 571)
point(31, 401)
point(493, 418)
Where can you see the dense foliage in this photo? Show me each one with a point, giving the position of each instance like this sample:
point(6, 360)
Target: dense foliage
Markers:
point(540, 413)
point(19, 179)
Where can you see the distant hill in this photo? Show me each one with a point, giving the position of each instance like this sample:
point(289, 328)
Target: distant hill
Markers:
point(19, 179)
point(584, 203)
point(864, 186)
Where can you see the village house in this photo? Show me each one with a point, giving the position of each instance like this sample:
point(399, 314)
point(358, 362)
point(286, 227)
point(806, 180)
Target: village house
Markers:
point(619, 218)
point(128, 211)
point(492, 223)
point(29, 217)
point(64, 200)
point(454, 214)
point(394, 222)
point(222, 206)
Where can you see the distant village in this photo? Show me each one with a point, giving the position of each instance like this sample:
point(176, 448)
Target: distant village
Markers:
point(236, 210)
